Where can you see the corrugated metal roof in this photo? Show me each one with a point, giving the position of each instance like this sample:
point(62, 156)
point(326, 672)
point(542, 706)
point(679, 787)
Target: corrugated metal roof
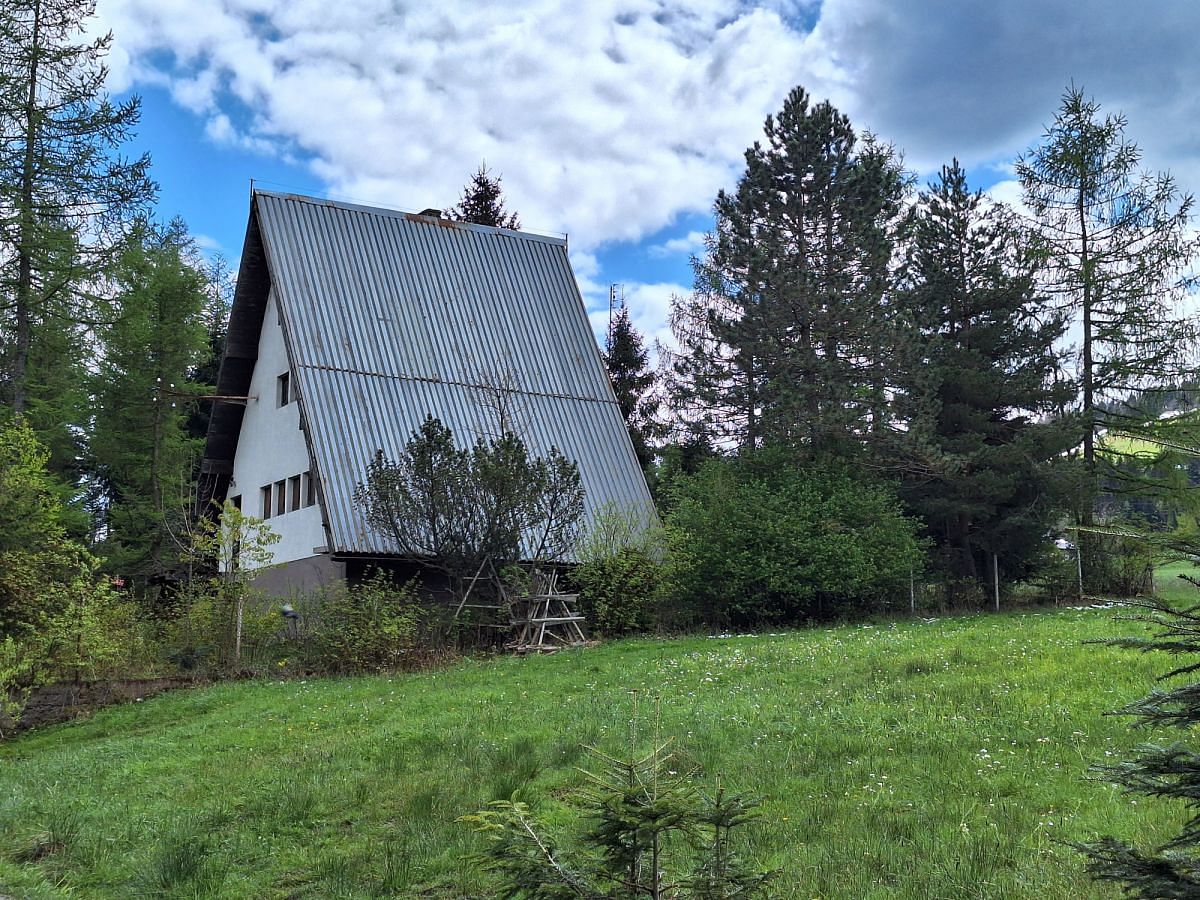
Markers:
point(391, 317)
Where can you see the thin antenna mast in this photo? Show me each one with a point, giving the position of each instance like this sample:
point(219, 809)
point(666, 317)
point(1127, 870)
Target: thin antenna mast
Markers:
point(616, 302)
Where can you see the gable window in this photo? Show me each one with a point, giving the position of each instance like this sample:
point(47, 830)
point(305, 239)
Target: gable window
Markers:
point(293, 493)
point(265, 490)
point(283, 392)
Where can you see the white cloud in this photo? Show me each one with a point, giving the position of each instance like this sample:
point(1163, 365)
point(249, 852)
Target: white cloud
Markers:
point(691, 244)
point(611, 120)
point(1008, 192)
point(607, 120)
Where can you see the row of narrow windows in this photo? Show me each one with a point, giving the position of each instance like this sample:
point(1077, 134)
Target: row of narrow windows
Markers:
point(288, 495)
point(284, 496)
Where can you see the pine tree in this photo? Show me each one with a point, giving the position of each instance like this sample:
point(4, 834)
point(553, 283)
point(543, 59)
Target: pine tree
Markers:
point(1170, 770)
point(976, 387)
point(627, 361)
point(216, 324)
point(141, 450)
point(779, 340)
point(67, 199)
point(1118, 248)
point(482, 202)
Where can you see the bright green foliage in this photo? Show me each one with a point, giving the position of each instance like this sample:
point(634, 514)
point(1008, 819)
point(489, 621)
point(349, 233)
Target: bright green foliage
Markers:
point(58, 617)
point(369, 627)
point(1170, 770)
point(30, 511)
point(637, 805)
point(978, 393)
point(141, 452)
point(762, 541)
point(620, 571)
point(233, 548)
point(618, 593)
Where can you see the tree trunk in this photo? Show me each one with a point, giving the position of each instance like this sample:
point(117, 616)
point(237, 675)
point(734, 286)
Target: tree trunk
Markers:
point(25, 245)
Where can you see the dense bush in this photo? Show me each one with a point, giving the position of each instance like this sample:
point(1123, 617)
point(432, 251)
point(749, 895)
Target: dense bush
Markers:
point(619, 575)
point(617, 593)
point(59, 618)
point(370, 627)
point(762, 541)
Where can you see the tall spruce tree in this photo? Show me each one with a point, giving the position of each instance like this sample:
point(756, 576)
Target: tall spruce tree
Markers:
point(976, 390)
point(628, 364)
point(779, 339)
point(1118, 248)
point(142, 453)
point(67, 201)
point(482, 202)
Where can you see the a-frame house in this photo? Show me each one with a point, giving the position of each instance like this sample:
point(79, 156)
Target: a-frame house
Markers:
point(351, 324)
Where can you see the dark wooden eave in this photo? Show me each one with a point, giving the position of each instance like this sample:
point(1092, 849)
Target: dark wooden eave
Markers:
point(237, 367)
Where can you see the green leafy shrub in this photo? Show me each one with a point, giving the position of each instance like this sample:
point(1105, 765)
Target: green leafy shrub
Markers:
point(369, 627)
point(618, 593)
point(762, 541)
point(620, 571)
point(201, 639)
point(59, 618)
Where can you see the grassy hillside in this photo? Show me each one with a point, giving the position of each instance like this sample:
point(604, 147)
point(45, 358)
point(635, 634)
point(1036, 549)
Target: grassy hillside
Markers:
point(922, 759)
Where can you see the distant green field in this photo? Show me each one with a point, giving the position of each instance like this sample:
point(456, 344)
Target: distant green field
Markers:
point(923, 759)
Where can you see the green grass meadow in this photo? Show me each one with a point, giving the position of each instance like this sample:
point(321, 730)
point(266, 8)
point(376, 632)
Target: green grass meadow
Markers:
point(922, 759)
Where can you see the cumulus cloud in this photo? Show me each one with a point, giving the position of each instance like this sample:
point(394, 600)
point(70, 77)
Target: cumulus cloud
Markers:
point(649, 307)
point(607, 120)
point(611, 120)
point(691, 244)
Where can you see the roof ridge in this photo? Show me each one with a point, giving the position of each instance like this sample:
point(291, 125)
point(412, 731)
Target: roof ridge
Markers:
point(384, 212)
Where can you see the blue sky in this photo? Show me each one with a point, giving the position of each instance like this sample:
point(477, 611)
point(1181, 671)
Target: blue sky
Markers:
point(614, 121)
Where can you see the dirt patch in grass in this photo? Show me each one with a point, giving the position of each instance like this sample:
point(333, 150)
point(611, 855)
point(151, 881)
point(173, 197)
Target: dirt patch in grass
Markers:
point(54, 703)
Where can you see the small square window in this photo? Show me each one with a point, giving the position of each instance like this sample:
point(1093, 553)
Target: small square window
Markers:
point(280, 498)
point(293, 493)
point(236, 502)
point(283, 392)
point(265, 490)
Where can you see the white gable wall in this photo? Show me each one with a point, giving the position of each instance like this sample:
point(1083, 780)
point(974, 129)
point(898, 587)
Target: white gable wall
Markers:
point(271, 448)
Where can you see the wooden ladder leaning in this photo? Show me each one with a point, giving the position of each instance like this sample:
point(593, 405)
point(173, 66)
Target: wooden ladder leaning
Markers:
point(545, 620)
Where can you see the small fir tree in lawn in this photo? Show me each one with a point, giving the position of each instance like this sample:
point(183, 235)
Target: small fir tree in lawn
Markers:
point(1169, 770)
point(628, 364)
point(652, 834)
point(482, 202)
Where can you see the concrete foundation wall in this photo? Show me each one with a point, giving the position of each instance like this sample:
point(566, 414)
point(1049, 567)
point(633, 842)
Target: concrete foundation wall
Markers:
point(300, 576)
